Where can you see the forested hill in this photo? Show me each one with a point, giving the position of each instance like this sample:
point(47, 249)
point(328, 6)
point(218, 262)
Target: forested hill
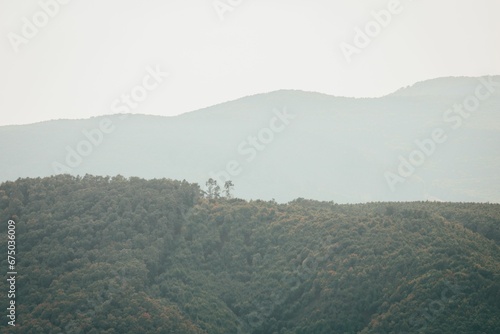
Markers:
point(117, 255)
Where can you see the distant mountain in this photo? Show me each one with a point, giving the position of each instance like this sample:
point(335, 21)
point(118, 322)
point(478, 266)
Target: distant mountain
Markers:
point(290, 144)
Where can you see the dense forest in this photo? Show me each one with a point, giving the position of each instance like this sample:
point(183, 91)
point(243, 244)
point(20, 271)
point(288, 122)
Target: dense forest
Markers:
point(127, 255)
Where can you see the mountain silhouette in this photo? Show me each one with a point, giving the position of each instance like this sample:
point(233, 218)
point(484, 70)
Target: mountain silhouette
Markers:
point(409, 145)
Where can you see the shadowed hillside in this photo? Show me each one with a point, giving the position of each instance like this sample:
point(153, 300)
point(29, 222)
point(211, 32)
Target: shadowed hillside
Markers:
point(117, 255)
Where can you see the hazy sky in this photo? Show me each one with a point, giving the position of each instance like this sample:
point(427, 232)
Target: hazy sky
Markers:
point(81, 58)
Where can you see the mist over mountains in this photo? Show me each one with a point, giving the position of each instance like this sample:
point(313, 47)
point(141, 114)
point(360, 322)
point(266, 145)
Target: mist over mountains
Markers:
point(435, 140)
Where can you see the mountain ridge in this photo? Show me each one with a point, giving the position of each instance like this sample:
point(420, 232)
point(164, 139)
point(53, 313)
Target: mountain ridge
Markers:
point(403, 91)
point(322, 147)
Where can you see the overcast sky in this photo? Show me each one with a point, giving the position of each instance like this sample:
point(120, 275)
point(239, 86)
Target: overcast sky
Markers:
point(86, 54)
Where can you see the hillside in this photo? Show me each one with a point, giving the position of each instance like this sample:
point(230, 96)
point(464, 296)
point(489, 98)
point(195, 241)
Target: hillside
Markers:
point(126, 255)
point(287, 144)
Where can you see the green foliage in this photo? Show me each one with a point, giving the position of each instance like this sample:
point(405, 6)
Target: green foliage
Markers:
point(116, 255)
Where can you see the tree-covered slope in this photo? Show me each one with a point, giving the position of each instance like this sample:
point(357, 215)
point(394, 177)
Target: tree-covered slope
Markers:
point(116, 255)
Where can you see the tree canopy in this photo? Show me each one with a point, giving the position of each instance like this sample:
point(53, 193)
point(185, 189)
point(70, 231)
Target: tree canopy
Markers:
point(127, 255)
